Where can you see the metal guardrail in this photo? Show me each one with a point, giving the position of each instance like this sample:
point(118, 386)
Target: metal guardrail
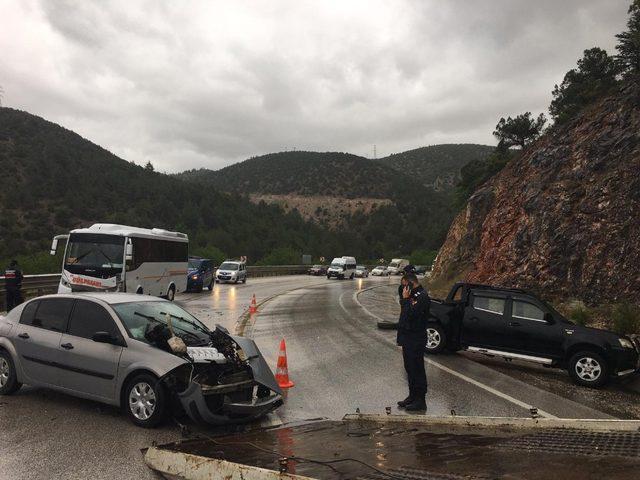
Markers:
point(36, 285)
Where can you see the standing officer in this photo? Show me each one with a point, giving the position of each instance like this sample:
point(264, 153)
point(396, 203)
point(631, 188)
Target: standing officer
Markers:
point(412, 336)
point(13, 285)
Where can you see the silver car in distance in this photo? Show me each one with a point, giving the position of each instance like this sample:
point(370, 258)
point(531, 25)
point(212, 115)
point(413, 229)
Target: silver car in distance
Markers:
point(144, 354)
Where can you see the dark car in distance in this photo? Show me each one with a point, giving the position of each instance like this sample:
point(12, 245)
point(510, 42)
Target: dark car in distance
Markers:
point(200, 274)
point(516, 324)
point(318, 270)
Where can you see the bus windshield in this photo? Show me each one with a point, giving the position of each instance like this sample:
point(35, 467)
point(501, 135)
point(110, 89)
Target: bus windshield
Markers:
point(92, 254)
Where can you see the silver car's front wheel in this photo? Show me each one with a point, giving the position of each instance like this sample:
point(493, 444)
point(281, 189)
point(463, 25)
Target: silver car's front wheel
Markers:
point(142, 401)
point(145, 400)
point(5, 371)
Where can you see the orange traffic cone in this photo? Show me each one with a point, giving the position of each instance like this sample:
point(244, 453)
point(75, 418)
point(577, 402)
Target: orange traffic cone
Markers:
point(282, 371)
point(253, 308)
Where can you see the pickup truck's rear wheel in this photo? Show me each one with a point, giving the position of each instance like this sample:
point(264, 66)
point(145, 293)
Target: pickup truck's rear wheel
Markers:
point(435, 339)
point(588, 369)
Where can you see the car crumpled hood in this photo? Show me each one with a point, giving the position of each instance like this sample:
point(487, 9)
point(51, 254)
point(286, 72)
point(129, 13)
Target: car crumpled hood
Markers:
point(262, 374)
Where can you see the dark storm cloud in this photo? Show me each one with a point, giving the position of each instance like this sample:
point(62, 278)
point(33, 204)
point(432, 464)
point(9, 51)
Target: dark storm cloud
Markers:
point(191, 84)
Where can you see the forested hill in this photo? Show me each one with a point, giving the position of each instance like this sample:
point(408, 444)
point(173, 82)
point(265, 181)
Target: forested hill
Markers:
point(54, 180)
point(437, 166)
point(392, 212)
point(309, 173)
point(344, 174)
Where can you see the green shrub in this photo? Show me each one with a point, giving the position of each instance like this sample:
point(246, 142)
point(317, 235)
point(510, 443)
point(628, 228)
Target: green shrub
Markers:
point(626, 318)
point(282, 256)
point(423, 257)
point(37, 263)
point(580, 314)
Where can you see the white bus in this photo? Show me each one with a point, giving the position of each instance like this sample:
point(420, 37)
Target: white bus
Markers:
point(119, 258)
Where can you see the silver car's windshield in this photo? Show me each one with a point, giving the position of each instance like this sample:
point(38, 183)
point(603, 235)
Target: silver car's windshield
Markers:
point(229, 266)
point(142, 317)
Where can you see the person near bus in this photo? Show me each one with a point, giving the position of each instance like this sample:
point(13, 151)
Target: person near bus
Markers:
point(13, 285)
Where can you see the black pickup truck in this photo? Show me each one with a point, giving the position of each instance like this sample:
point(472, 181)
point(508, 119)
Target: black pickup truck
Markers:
point(516, 324)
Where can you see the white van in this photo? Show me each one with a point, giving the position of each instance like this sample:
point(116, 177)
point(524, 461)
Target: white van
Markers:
point(119, 258)
point(342, 267)
point(396, 267)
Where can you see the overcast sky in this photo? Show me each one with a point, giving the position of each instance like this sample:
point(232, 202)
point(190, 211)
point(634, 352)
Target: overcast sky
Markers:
point(189, 84)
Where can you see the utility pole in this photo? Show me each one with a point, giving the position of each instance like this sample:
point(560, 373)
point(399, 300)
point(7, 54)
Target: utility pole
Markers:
point(1, 94)
point(375, 153)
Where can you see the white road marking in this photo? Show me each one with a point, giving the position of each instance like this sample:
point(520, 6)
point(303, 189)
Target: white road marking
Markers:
point(470, 380)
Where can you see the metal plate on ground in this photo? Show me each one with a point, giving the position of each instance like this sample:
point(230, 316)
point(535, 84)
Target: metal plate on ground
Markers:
point(417, 474)
point(577, 442)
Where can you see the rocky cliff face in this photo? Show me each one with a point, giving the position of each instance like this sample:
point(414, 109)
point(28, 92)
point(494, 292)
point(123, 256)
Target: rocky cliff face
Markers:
point(564, 217)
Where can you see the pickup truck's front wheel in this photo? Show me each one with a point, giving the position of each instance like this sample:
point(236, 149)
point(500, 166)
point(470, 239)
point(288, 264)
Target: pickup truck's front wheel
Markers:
point(588, 369)
point(435, 339)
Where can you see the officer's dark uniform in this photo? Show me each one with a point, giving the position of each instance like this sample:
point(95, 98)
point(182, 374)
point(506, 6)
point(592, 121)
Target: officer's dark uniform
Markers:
point(13, 285)
point(412, 337)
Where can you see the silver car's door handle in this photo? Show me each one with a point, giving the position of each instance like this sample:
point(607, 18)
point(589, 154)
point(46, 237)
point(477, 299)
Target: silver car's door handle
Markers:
point(67, 346)
point(23, 335)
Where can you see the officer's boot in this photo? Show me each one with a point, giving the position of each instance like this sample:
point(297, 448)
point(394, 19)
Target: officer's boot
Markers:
point(418, 403)
point(406, 401)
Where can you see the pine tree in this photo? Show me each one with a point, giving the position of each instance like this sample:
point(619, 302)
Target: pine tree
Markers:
point(628, 58)
point(595, 75)
point(519, 131)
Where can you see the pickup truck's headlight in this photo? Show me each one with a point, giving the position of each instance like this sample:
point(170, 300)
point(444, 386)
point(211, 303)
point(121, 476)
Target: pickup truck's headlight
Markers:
point(194, 277)
point(625, 343)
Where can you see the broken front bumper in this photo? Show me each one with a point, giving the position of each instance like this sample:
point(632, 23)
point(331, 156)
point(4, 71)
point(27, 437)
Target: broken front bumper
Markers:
point(194, 401)
point(237, 402)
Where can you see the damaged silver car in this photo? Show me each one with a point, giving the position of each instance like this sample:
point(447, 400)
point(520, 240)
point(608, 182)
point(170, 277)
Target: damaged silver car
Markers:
point(145, 354)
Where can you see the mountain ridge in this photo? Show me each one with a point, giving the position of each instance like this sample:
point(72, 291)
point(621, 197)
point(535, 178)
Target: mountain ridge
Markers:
point(561, 215)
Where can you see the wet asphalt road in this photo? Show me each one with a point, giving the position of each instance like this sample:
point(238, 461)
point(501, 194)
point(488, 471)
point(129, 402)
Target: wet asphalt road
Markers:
point(338, 359)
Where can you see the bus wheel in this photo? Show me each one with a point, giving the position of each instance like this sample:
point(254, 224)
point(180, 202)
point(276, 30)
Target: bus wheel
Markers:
point(171, 294)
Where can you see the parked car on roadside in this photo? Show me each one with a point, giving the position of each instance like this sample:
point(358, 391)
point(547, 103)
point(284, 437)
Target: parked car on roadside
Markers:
point(516, 324)
point(380, 271)
point(200, 273)
point(318, 270)
point(361, 271)
point(232, 271)
point(141, 353)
